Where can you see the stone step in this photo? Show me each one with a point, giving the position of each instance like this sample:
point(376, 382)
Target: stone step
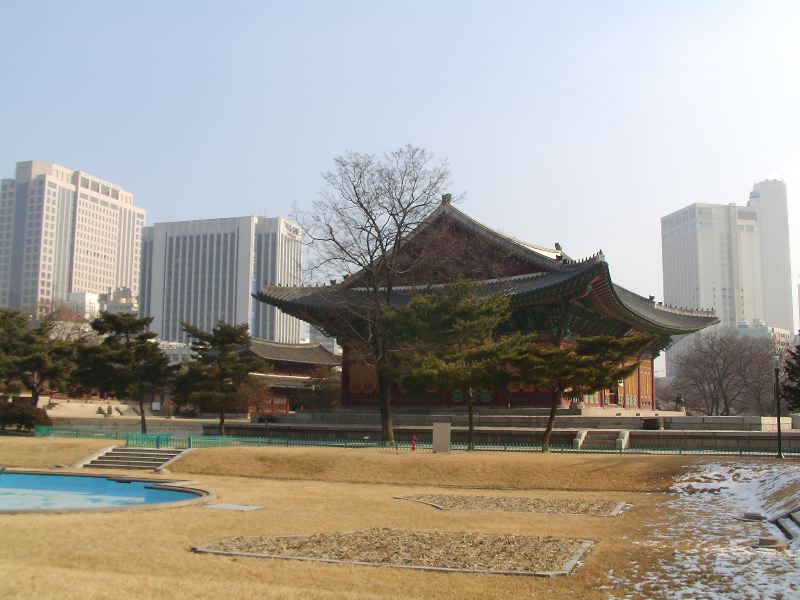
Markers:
point(795, 516)
point(788, 527)
point(600, 440)
point(150, 454)
point(134, 458)
point(147, 463)
point(148, 450)
point(599, 446)
point(120, 466)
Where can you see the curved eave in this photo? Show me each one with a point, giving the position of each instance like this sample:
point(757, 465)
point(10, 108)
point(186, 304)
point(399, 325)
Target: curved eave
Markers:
point(298, 302)
point(589, 282)
point(643, 313)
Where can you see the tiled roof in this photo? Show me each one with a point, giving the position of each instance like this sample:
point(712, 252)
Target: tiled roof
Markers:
point(64, 314)
point(665, 315)
point(541, 259)
point(540, 288)
point(285, 381)
point(554, 278)
point(309, 354)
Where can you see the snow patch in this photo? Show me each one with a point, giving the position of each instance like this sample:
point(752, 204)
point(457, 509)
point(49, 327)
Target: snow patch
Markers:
point(708, 553)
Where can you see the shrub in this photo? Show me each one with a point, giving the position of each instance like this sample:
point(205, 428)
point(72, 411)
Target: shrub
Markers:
point(22, 416)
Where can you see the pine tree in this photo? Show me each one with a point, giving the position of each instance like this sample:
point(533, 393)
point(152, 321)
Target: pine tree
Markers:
point(30, 357)
point(791, 384)
point(449, 342)
point(128, 363)
point(586, 364)
point(222, 366)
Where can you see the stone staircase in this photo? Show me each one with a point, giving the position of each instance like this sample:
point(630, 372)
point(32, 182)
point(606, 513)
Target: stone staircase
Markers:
point(600, 439)
point(134, 458)
point(789, 524)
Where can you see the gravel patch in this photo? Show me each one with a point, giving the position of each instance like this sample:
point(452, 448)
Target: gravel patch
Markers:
point(518, 504)
point(434, 550)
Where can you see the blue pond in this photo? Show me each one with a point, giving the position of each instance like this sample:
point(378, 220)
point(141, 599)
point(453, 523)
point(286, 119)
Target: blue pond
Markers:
point(28, 491)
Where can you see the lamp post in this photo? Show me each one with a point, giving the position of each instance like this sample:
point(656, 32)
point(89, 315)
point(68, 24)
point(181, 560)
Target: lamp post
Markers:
point(776, 365)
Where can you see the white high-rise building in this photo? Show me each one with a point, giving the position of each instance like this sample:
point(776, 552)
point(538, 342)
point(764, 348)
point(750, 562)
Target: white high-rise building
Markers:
point(200, 272)
point(64, 231)
point(731, 258)
point(768, 198)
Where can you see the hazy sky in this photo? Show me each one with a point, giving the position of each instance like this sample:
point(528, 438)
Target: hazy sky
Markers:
point(577, 122)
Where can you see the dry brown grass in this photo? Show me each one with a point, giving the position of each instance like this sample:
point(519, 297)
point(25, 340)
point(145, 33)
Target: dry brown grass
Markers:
point(43, 453)
point(478, 469)
point(146, 554)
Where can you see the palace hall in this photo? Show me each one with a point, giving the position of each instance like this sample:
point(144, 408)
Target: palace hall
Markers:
point(549, 292)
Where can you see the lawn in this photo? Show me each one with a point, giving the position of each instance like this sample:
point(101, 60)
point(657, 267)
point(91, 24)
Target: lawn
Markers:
point(45, 453)
point(147, 554)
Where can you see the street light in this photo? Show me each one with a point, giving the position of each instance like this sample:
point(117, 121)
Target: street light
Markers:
point(776, 365)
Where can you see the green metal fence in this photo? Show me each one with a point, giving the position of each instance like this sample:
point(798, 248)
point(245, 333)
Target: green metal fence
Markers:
point(64, 432)
point(142, 440)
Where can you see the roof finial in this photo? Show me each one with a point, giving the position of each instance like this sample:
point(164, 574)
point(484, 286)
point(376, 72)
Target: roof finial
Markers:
point(446, 198)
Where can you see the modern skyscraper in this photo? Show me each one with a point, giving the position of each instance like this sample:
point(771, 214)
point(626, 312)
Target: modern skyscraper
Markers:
point(731, 258)
point(64, 231)
point(768, 198)
point(204, 271)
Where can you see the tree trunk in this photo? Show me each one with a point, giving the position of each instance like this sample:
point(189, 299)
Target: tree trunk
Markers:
point(470, 419)
point(387, 431)
point(141, 415)
point(34, 396)
point(222, 423)
point(551, 420)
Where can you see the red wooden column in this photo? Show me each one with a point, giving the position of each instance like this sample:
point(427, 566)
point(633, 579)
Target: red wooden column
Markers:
point(639, 385)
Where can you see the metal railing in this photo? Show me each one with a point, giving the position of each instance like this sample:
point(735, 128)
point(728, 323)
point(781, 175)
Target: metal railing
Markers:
point(141, 440)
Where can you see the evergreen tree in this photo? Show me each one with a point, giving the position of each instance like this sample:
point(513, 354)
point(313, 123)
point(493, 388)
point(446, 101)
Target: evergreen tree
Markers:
point(448, 341)
point(128, 363)
point(13, 328)
point(791, 379)
point(30, 357)
point(587, 364)
point(222, 366)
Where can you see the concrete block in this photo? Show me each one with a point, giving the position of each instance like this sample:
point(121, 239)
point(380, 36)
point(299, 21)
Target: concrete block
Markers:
point(441, 437)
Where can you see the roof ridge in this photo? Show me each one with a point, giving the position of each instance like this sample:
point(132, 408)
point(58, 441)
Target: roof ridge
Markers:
point(520, 244)
point(697, 312)
point(289, 344)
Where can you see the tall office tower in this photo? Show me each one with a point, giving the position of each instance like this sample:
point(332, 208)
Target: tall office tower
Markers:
point(711, 258)
point(64, 231)
point(731, 258)
point(201, 272)
point(768, 198)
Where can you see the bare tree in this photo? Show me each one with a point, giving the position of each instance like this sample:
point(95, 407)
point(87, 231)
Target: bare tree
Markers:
point(725, 373)
point(368, 209)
